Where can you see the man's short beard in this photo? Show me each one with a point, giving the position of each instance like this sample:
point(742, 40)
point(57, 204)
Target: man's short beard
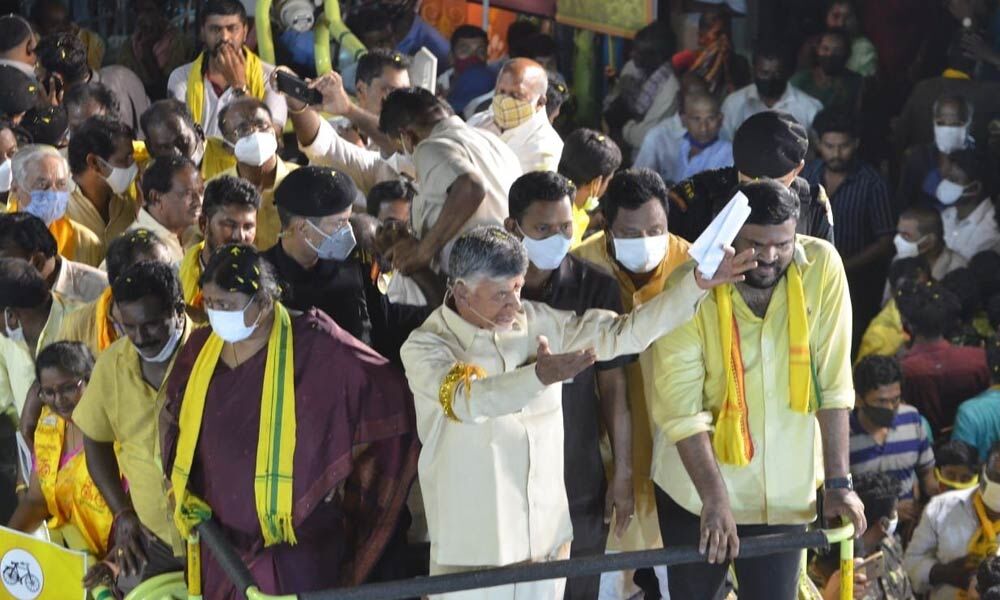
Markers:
point(759, 285)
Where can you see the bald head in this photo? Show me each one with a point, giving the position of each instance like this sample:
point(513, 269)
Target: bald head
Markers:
point(523, 79)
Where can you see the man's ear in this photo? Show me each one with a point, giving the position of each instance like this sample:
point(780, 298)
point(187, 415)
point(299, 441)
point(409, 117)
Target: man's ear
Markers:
point(94, 162)
point(510, 224)
point(38, 261)
point(798, 169)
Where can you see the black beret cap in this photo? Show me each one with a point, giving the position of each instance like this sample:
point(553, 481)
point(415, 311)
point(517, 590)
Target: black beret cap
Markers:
point(315, 192)
point(18, 92)
point(769, 144)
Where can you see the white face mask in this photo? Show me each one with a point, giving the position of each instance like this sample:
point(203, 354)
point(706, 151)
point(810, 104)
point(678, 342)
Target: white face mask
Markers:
point(949, 138)
point(641, 255)
point(120, 178)
point(948, 192)
point(905, 248)
point(6, 176)
point(890, 529)
point(548, 253)
point(168, 349)
point(256, 149)
point(230, 325)
point(15, 335)
point(991, 493)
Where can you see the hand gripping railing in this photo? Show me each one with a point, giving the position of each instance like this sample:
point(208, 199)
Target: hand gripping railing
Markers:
point(211, 537)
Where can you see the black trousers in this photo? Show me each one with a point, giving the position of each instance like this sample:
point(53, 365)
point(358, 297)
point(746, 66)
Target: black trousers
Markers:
point(771, 577)
point(590, 538)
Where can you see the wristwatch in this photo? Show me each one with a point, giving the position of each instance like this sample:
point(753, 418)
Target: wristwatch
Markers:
point(840, 483)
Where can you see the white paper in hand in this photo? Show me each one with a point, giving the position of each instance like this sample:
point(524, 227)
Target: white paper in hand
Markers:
point(423, 70)
point(707, 250)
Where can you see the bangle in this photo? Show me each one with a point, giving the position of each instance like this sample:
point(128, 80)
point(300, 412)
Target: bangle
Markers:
point(298, 112)
point(20, 488)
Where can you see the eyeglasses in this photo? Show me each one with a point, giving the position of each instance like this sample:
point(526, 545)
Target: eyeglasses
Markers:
point(251, 127)
point(64, 390)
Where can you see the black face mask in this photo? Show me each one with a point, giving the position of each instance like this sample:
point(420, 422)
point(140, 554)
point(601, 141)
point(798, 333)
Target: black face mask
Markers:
point(832, 65)
point(770, 88)
point(879, 416)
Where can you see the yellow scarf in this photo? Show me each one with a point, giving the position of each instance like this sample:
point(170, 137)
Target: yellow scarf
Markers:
point(65, 236)
point(73, 497)
point(190, 273)
point(275, 442)
point(217, 159)
point(984, 541)
point(732, 442)
point(106, 334)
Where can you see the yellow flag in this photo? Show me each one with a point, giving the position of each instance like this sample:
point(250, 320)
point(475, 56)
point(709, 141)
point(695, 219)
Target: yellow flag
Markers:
point(33, 569)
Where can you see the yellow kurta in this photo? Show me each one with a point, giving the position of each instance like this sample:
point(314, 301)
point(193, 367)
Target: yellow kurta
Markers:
point(121, 214)
point(685, 386)
point(119, 406)
point(644, 532)
point(268, 224)
point(17, 361)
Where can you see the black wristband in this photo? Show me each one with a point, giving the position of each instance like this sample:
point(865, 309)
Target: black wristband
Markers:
point(839, 483)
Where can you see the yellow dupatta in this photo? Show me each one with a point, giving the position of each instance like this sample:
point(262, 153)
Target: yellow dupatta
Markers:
point(190, 274)
point(732, 441)
point(106, 334)
point(217, 159)
point(984, 542)
point(65, 236)
point(273, 477)
point(73, 498)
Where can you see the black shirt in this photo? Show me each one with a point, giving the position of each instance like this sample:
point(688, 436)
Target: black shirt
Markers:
point(698, 199)
point(578, 286)
point(344, 291)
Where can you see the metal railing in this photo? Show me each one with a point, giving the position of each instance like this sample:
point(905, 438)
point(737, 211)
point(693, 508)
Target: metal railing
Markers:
point(237, 572)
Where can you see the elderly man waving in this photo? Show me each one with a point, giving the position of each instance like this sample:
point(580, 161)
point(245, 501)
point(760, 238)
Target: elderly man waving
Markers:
point(485, 370)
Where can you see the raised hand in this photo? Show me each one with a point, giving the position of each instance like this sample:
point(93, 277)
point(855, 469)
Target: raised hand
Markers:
point(554, 368)
point(731, 270)
point(232, 65)
point(335, 98)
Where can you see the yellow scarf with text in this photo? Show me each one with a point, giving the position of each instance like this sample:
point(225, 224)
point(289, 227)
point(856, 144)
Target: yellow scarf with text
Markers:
point(273, 477)
point(732, 441)
point(217, 159)
point(984, 541)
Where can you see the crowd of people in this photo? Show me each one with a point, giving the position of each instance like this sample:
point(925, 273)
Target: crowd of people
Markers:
point(343, 331)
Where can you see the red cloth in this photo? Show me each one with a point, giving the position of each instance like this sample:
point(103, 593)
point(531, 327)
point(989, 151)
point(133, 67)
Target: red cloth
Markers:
point(938, 376)
point(355, 440)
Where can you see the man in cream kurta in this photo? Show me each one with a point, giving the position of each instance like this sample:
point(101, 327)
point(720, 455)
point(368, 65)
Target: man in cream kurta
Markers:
point(489, 407)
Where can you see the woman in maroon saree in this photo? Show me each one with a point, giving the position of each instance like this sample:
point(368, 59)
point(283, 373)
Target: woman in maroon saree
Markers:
point(355, 444)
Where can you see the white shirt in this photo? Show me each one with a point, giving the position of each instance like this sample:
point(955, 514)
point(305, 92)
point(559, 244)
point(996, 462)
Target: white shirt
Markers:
point(452, 150)
point(365, 166)
point(177, 87)
point(535, 142)
point(943, 534)
point(745, 103)
point(78, 282)
point(492, 482)
point(666, 150)
point(974, 233)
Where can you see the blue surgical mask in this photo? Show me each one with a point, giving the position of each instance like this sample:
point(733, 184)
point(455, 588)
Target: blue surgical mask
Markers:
point(48, 205)
point(337, 246)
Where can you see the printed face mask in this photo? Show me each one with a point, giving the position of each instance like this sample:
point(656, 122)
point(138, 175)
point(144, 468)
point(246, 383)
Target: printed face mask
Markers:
point(509, 112)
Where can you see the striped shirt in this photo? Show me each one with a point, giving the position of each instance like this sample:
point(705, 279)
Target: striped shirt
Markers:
point(905, 452)
point(862, 211)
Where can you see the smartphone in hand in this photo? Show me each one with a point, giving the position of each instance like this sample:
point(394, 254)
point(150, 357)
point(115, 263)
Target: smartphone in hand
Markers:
point(297, 88)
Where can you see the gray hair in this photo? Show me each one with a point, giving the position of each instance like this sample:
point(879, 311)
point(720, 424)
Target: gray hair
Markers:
point(27, 156)
point(958, 99)
point(487, 252)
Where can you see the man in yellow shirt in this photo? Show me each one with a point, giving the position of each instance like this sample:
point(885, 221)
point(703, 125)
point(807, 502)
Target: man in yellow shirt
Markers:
point(228, 216)
point(589, 159)
point(752, 399)
point(248, 132)
point(40, 186)
point(95, 323)
point(103, 167)
point(636, 248)
point(31, 318)
point(121, 407)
